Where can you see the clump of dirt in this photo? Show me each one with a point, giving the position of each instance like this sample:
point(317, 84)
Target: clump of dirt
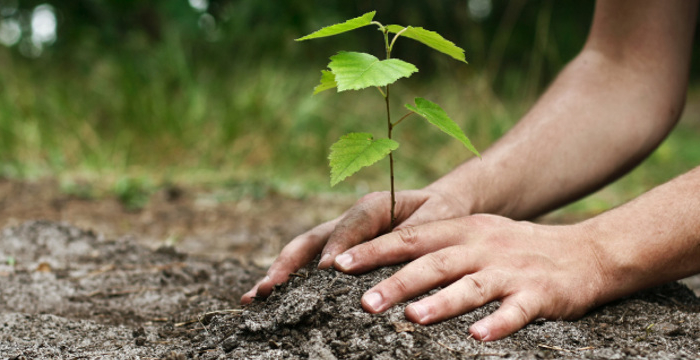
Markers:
point(318, 315)
point(70, 293)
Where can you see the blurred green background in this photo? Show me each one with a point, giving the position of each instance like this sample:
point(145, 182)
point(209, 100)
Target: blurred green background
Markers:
point(127, 93)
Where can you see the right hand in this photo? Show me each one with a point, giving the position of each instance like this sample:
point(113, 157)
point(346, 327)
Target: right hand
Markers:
point(367, 219)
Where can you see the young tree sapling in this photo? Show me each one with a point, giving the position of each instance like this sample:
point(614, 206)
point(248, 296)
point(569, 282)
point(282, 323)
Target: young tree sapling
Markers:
point(355, 70)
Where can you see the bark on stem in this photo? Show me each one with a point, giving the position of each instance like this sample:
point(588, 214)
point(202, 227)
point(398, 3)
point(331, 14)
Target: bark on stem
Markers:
point(390, 127)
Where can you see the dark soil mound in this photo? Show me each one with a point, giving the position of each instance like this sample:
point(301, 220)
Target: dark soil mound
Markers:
point(317, 315)
point(67, 293)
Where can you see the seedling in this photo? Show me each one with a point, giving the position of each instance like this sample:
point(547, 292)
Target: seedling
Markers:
point(354, 71)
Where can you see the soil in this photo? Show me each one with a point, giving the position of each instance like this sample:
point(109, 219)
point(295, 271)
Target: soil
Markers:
point(113, 287)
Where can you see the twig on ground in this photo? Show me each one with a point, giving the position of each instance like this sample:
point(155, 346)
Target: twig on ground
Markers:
point(445, 346)
point(549, 347)
point(99, 271)
point(108, 294)
point(333, 281)
point(204, 326)
point(207, 314)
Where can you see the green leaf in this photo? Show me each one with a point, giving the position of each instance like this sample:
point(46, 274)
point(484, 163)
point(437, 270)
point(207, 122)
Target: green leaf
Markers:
point(327, 82)
point(354, 71)
point(336, 29)
point(355, 151)
point(438, 117)
point(432, 39)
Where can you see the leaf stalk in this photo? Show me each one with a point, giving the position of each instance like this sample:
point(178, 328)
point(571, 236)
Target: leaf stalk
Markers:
point(381, 91)
point(391, 46)
point(403, 117)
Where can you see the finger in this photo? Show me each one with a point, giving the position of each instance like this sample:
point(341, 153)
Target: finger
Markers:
point(462, 296)
point(425, 273)
point(294, 256)
point(247, 298)
point(515, 312)
point(369, 217)
point(399, 246)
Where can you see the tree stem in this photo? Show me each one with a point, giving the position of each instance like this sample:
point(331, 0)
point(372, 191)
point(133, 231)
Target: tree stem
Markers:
point(390, 127)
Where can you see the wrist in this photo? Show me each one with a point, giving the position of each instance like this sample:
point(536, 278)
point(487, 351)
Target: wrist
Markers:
point(620, 261)
point(604, 274)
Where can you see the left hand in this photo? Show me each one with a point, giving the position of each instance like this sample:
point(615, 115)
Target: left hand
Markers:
point(535, 271)
point(368, 218)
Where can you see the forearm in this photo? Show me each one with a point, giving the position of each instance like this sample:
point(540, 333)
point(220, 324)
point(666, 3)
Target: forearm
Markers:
point(607, 110)
point(592, 125)
point(651, 240)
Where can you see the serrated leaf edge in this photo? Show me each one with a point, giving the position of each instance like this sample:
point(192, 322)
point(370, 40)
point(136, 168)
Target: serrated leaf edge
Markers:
point(334, 170)
point(325, 84)
point(314, 35)
point(393, 29)
point(343, 87)
point(465, 140)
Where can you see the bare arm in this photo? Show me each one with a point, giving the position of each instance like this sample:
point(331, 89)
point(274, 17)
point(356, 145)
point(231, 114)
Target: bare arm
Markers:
point(535, 271)
point(606, 111)
point(652, 239)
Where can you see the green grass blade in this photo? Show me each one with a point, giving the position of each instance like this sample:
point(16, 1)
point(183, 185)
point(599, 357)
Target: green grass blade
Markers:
point(336, 29)
point(327, 82)
point(355, 151)
point(355, 71)
point(432, 39)
point(438, 117)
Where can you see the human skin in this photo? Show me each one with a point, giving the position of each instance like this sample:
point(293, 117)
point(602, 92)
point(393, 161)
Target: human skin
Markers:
point(605, 112)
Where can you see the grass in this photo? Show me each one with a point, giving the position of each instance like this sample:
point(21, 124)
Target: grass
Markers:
point(128, 125)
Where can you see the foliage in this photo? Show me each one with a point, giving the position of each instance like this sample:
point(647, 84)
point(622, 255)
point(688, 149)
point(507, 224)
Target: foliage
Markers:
point(430, 38)
point(355, 151)
point(163, 91)
point(356, 71)
point(133, 193)
point(438, 117)
point(346, 26)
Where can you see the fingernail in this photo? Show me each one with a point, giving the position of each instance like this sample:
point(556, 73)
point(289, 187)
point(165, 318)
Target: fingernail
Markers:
point(373, 300)
point(324, 258)
point(481, 332)
point(265, 279)
point(420, 312)
point(344, 261)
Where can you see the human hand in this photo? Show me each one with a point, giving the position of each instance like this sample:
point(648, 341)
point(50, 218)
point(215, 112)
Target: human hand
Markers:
point(535, 271)
point(368, 218)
